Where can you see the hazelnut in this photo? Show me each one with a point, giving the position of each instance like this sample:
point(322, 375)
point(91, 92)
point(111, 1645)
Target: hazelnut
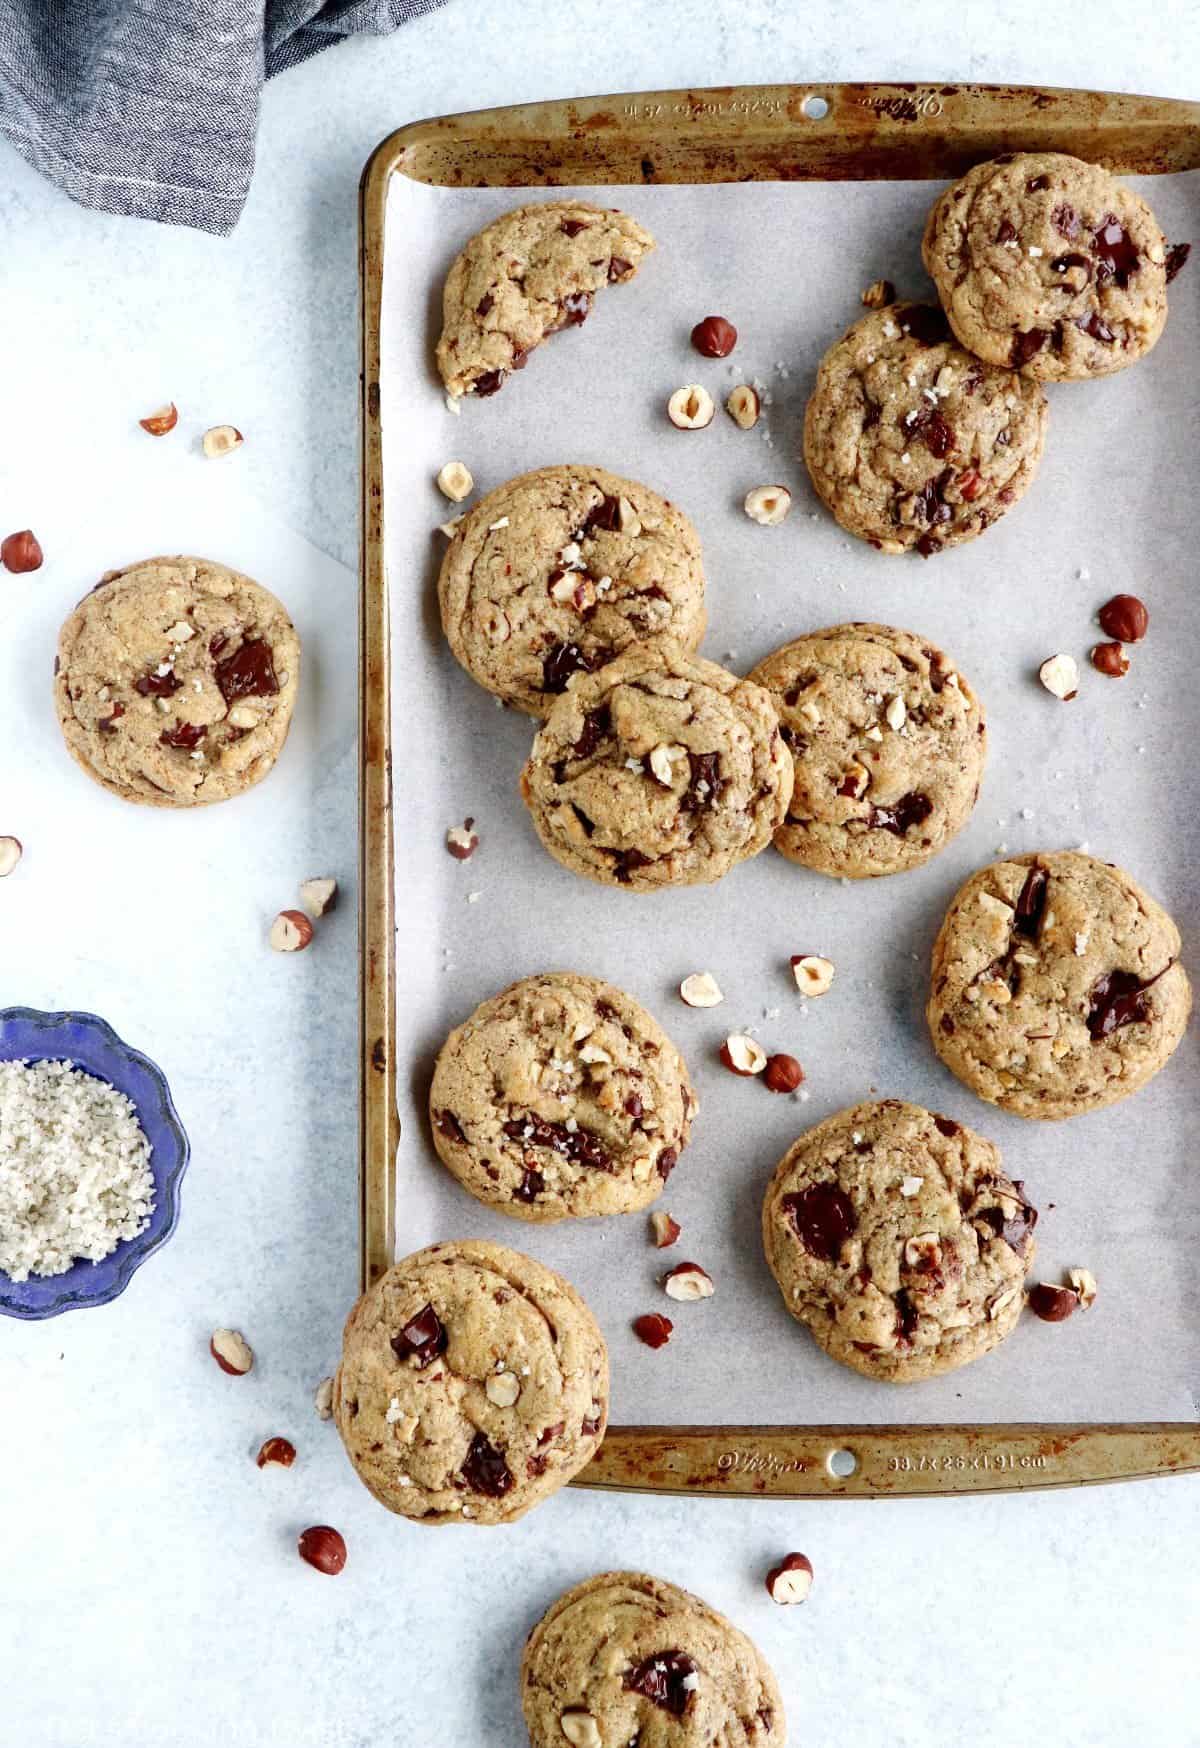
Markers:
point(276, 1453)
point(663, 1230)
point(221, 440)
point(323, 1548)
point(323, 1399)
point(923, 1250)
point(1052, 1304)
point(1059, 674)
point(879, 294)
point(1083, 1283)
point(701, 990)
point(687, 1281)
point(813, 975)
point(1125, 619)
point(462, 841)
point(659, 761)
point(896, 712)
point(21, 552)
point(10, 855)
point(450, 528)
point(628, 520)
point(320, 895)
point(999, 1303)
point(691, 408)
point(768, 505)
point(502, 1388)
point(1110, 659)
point(744, 406)
point(581, 1729)
point(783, 1073)
point(454, 481)
point(654, 1330)
point(161, 421)
point(241, 715)
point(742, 1055)
point(231, 1351)
point(911, 1187)
point(291, 932)
point(791, 1580)
point(714, 337)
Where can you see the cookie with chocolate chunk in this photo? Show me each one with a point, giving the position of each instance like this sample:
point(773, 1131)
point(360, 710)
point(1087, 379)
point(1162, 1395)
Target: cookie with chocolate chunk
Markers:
point(556, 572)
point(625, 1658)
point(658, 770)
point(175, 682)
point(914, 443)
point(473, 1384)
point(1056, 985)
point(527, 275)
point(896, 1237)
point(888, 745)
point(1050, 265)
point(561, 1096)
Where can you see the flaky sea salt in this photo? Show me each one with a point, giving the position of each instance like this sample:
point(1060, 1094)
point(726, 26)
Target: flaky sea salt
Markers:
point(74, 1169)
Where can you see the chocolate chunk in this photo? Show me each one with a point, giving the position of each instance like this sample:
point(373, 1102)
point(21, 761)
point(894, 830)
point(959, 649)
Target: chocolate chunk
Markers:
point(945, 1125)
point(577, 1144)
point(530, 1187)
point(618, 269)
point(1027, 344)
point(667, 1161)
point(1066, 220)
point(1117, 253)
point(633, 1107)
point(1015, 1231)
point(491, 381)
point(911, 809)
point(1037, 183)
point(158, 685)
point(946, 1026)
point(485, 305)
point(606, 515)
point(107, 724)
point(907, 1316)
point(450, 1127)
point(587, 823)
point(1007, 232)
point(870, 416)
point(664, 1679)
point(422, 1338)
point(560, 663)
point(1177, 256)
point(1119, 999)
point(925, 322)
point(484, 1469)
point(572, 227)
point(705, 785)
point(573, 310)
point(1097, 328)
point(626, 862)
point(186, 735)
point(823, 1216)
point(248, 673)
point(932, 429)
point(548, 1434)
point(1032, 902)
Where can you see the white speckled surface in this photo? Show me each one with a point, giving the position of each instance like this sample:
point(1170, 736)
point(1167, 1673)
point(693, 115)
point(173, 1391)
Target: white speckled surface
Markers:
point(148, 1589)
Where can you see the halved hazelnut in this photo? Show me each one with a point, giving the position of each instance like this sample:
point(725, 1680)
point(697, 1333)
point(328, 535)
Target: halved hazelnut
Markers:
point(1052, 1304)
point(691, 408)
point(323, 1399)
point(663, 1230)
point(1059, 674)
point(1110, 659)
point(1083, 1282)
point(10, 855)
point(291, 932)
point(323, 1548)
point(320, 895)
point(879, 294)
point(783, 1073)
point(581, 1729)
point(813, 975)
point(161, 421)
point(743, 406)
point(701, 990)
point(502, 1388)
point(791, 1580)
point(279, 1453)
point(462, 841)
point(768, 505)
point(221, 440)
point(743, 1055)
point(231, 1351)
point(21, 552)
point(687, 1281)
point(653, 1329)
point(455, 482)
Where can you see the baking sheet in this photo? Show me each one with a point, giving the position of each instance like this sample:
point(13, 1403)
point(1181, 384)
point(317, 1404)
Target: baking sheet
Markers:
point(1115, 507)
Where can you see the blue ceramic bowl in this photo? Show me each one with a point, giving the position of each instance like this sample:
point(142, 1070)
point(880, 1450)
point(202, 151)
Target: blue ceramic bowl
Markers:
point(91, 1044)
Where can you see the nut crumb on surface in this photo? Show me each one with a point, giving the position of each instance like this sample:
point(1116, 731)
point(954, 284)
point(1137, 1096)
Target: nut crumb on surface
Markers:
point(11, 851)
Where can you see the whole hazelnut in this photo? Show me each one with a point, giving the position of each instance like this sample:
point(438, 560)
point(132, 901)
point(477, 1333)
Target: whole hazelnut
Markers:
point(21, 552)
point(714, 337)
point(323, 1548)
point(1110, 659)
point(1124, 619)
point(1052, 1304)
point(783, 1073)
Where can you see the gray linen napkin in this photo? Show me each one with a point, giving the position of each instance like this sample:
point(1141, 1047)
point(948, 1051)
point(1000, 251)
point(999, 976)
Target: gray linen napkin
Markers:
point(150, 107)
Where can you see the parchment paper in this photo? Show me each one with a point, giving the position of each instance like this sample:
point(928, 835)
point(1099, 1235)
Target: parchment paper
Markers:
point(1115, 507)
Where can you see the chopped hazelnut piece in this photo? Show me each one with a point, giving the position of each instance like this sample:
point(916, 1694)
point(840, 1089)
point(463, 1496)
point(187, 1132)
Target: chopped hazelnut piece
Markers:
point(663, 1230)
point(768, 505)
point(581, 1729)
point(231, 1351)
point(319, 896)
point(221, 440)
point(744, 406)
point(10, 854)
point(161, 421)
point(462, 841)
point(323, 1399)
point(813, 975)
point(743, 1055)
point(1083, 1283)
point(1059, 674)
point(502, 1388)
point(701, 990)
point(687, 1281)
point(454, 481)
point(21, 552)
point(291, 932)
point(791, 1580)
point(879, 294)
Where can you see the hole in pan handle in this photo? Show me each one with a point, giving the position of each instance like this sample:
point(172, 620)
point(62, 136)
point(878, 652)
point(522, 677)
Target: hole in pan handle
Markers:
point(815, 107)
point(841, 1462)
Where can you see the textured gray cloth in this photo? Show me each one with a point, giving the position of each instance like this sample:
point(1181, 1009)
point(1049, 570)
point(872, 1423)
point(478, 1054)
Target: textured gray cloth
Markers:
point(150, 107)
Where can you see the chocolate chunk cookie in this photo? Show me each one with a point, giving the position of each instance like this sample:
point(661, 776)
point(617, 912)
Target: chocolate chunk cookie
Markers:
point(175, 681)
point(557, 571)
point(524, 277)
point(911, 441)
point(561, 1096)
point(1049, 265)
point(1057, 986)
point(888, 745)
point(659, 770)
point(473, 1384)
point(624, 1658)
point(895, 1235)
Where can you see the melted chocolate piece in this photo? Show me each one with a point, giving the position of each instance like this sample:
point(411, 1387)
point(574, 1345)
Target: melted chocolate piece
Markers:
point(911, 809)
point(945, 1125)
point(576, 1144)
point(484, 1469)
point(422, 1338)
point(1118, 999)
point(530, 1187)
point(572, 227)
point(1031, 903)
point(823, 1216)
point(248, 673)
point(550, 1433)
point(450, 1127)
point(1177, 256)
point(158, 685)
point(585, 820)
point(633, 1107)
point(1037, 183)
point(618, 269)
point(925, 322)
point(1116, 251)
point(907, 1316)
point(107, 724)
point(492, 381)
point(1027, 345)
point(704, 787)
point(661, 1679)
point(1066, 220)
point(932, 504)
point(1097, 328)
point(667, 1161)
point(186, 735)
point(575, 309)
point(626, 862)
point(560, 663)
point(486, 304)
point(1014, 1230)
point(596, 725)
point(606, 514)
point(1007, 232)
point(933, 430)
